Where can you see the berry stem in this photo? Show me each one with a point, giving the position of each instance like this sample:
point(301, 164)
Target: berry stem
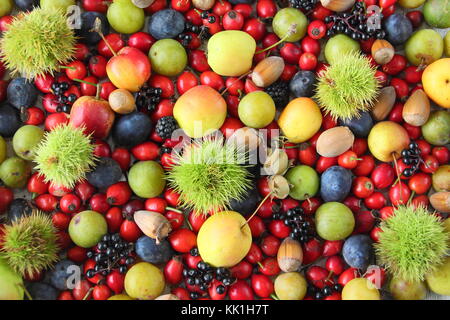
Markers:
point(291, 31)
point(173, 209)
point(97, 28)
point(241, 77)
point(86, 82)
point(256, 210)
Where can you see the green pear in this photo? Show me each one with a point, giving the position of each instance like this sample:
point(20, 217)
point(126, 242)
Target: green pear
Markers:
point(339, 44)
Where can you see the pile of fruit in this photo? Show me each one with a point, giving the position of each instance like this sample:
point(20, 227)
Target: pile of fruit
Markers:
point(224, 149)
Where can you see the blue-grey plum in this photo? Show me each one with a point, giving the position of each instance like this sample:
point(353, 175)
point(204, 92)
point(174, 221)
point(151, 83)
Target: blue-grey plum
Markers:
point(167, 23)
point(9, 120)
point(21, 93)
point(106, 172)
point(19, 208)
point(132, 129)
point(248, 204)
point(26, 5)
point(148, 250)
point(360, 126)
point(86, 32)
point(42, 291)
point(61, 272)
point(358, 251)
point(335, 184)
point(303, 84)
point(398, 28)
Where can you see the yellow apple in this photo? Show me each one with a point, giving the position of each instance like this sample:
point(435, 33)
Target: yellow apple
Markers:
point(224, 239)
point(199, 111)
point(386, 140)
point(436, 82)
point(360, 289)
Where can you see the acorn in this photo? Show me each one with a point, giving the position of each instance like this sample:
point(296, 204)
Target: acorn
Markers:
point(277, 162)
point(122, 101)
point(384, 103)
point(279, 186)
point(335, 141)
point(441, 201)
point(337, 5)
point(142, 3)
point(153, 224)
point(417, 109)
point(290, 255)
point(203, 4)
point(267, 71)
point(382, 51)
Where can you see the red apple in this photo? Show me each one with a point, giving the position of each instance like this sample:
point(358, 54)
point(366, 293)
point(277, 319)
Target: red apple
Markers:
point(93, 113)
point(129, 69)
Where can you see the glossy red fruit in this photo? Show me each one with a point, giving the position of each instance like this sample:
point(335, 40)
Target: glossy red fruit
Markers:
point(65, 295)
point(240, 290)
point(442, 154)
point(353, 203)
point(420, 183)
point(43, 82)
point(375, 201)
point(324, 163)
point(382, 176)
point(348, 160)
point(36, 184)
point(99, 203)
point(61, 220)
point(176, 219)
point(6, 197)
point(254, 254)
point(317, 29)
point(362, 187)
point(266, 9)
point(279, 229)
point(262, 285)
point(364, 222)
point(46, 202)
point(399, 194)
point(310, 45)
point(82, 290)
point(401, 88)
point(233, 20)
point(115, 281)
point(173, 271)
point(123, 157)
point(77, 254)
point(186, 81)
point(95, 5)
point(331, 248)
point(114, 219)
point(181, 293)
point(364, 166)
point(242, 270)
point(183, 240)
point(348, 275)
point(84, 190)
point(310, 205)
point(269, 266)
point(335, 264)
point(257, 226)
point(386, 212)
point(118, 194)
point(312, 250)
point(55, 119)
point(212, 290)
point(430, 164)
point(395, 66)
point(198, 61)
point(416, 17)
point(255, 27)
point(212, 79)
point(70, 203)
point(101, 292)
point(317, 276)
point(114, 40)
point(142, 41)
point(129, 231)
point(307, 61)
point(269, 245)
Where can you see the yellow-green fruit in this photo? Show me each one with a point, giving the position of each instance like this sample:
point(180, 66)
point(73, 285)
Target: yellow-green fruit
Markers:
point(144, 281)
point(6, 7)
point(447, 225)
point(120, 297)
point(411, 4)
point(56, 4)
point(125, 17)
point(439, 280)
point(168, 57)
point(406, 290)
point(441, 178)
point(14, 172)
point(285, 20)
point(290, 286)
point(25, 140)
point(334, 221)
point(381, 143)
point(87, 228)
point(146, 179)
point(224, 239)
point(200, 111)
point(11, 283)
point(447, 44)
point(360, 289)
point(257, 109)
point(424, 47)
point(230, 53)
point(300, 120)
point(339, 44)
point(3, 150)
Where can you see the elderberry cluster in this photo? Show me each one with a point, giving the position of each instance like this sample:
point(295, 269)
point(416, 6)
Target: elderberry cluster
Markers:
point(64, 102)
point(205, 274)
point(411, 157)
point(354, 24)
point(326, 291)
point(306, 5)
point(112, 253)
point(148, 98)
point(301, 230)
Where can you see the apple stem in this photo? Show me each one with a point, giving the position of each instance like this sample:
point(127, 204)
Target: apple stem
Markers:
point(256, 210)
point(90, 289)
point(97, 93)
point(97, 28)
point(291, 31)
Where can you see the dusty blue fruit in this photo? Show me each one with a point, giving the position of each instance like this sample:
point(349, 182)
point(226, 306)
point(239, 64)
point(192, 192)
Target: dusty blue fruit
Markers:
point(42, 291)
point(132, 129)
point(148, 250)
point(21, 93)
point(167, 23)
point(86, 32)
point(359, 126)
point(335, 184)
point(248, 204)
point(358, 251)
point(9, 120)
point(19, 208)
point(106, 172)
point(303, 84)
point(59, 275)
point(398, 28)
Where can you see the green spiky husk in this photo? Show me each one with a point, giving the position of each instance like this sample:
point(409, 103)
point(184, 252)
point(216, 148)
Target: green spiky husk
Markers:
point(209, 175)
point(64, 155)
point(347, 87)
point(37, 42)
point(30, 244)
point(413, 242)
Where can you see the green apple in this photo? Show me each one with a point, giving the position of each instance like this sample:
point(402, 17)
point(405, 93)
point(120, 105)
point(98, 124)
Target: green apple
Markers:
point(285, 20)
point(146, 179)
point(57, 4)
point(6, 7)
point(304, 180)
point(168, 57)
point(334, 221)
point(447, 44)
point(339, 44)
point(87, 228)
point(11, 283)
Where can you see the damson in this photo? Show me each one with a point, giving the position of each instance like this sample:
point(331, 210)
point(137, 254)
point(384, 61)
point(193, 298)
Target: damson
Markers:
point(106, 172)
point(165, 24)
point(148, 250)
point(9, 120)
point(86, 34)
point(21, 93)
point(132, 129)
